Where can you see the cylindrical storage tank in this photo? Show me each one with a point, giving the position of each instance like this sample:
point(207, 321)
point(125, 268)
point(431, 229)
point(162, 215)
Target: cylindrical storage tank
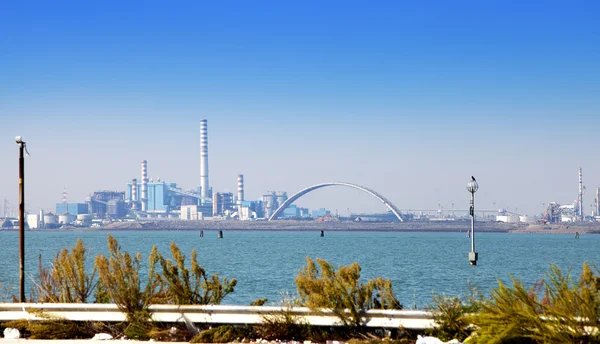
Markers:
point(64, 219)
point(524, 218)
point(269, 204)
point(281, 197)
point(41, 217)
point(84, 217)
point(50, 219)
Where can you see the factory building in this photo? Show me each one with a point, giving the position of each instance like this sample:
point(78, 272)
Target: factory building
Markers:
point(222, 202)
point(144, 197)
point(190, 212)
point(158, 196)
point(293, 211)
point(33, 221)
point(273, 200)
point(320, 212)
point(72, 208)
point(251, 210)
point(105, 203)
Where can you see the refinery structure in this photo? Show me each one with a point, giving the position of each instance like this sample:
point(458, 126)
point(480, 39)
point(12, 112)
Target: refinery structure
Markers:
point(147, 198)
point(573, 212)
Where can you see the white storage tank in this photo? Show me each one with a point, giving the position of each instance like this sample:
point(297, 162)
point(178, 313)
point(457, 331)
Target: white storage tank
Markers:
point(524, 218)
point(281, 197)
point(50, 219)
point(84, 219)
point(507, 218)
point(33, 221)
point(269, 201)
point(65, 219)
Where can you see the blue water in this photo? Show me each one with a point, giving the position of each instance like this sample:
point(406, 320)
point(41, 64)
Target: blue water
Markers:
point(266, 263)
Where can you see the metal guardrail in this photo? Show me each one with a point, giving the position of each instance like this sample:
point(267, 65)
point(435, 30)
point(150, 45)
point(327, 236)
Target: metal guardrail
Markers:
point(211, 314)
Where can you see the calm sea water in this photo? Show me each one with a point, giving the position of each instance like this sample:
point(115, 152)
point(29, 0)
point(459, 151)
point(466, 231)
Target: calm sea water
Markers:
point(266, 263)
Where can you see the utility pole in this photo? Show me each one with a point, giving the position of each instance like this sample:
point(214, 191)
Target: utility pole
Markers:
point(472, 187)
point(21, 144)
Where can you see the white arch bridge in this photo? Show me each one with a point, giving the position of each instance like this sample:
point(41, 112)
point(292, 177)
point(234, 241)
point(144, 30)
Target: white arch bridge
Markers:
point(303, 192)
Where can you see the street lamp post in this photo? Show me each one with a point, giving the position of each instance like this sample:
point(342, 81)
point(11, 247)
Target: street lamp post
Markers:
point(21, 144)
point(472, 187)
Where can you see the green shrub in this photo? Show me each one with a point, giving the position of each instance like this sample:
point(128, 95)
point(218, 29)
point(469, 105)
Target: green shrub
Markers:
point(559, 310)
point(192, 286)
point(170, 333)
point(67, 280)
point(51, 328)
point(259, 302)
point(120, 278)
point(449, 314)
point(284, 324)
point(221, 334)
point(321, 286)
point(381, 341)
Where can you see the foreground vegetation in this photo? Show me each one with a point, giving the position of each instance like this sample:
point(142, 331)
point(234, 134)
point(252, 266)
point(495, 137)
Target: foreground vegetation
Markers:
point(557, 309)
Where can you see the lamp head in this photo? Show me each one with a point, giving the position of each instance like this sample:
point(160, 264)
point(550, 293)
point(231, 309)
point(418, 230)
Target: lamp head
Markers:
point(19, 139)
point(472, 186)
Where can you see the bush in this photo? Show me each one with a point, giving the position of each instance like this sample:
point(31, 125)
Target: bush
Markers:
point(67, 280)
point(120, 279)
point(171, 333)
point(259, 302)
point(283, 325)
point(221, 334)
point(192, 287)
point(51, 328)
point(449, 315)
point(320, 286)
point(557, 310)
point(381, 341)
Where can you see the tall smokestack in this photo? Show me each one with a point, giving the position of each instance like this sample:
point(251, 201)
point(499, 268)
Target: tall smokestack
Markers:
point(598, 201)
point(240, 195)
point(580, 197)
point(134, 193)
point(204, 160)
point(144, 186)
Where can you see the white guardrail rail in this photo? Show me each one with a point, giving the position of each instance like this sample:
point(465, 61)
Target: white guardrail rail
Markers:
point(212, 314)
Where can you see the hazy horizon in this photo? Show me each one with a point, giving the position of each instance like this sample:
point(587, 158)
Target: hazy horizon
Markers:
point(409, 100)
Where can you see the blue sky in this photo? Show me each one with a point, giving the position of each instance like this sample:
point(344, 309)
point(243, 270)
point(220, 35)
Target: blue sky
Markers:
point(410, 99)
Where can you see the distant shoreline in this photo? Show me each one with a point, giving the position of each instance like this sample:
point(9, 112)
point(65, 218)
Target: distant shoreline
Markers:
point(339, 226)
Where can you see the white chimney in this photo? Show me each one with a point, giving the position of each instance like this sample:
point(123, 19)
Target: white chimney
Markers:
point(144, 186)
point(240, 192)
point(204, 160)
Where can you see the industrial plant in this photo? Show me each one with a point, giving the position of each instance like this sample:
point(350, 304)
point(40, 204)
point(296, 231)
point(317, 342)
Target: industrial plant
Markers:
point(573, 212)
point(145, 198)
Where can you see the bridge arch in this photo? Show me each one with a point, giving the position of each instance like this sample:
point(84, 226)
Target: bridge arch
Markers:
point(303, 192)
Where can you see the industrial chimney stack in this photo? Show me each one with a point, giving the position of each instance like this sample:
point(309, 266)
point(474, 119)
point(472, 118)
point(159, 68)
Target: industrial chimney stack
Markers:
point(204, 160)
point(598, 201)
point(134, 193)
point(144, 186)
point(240, 195)
point(580, 197)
